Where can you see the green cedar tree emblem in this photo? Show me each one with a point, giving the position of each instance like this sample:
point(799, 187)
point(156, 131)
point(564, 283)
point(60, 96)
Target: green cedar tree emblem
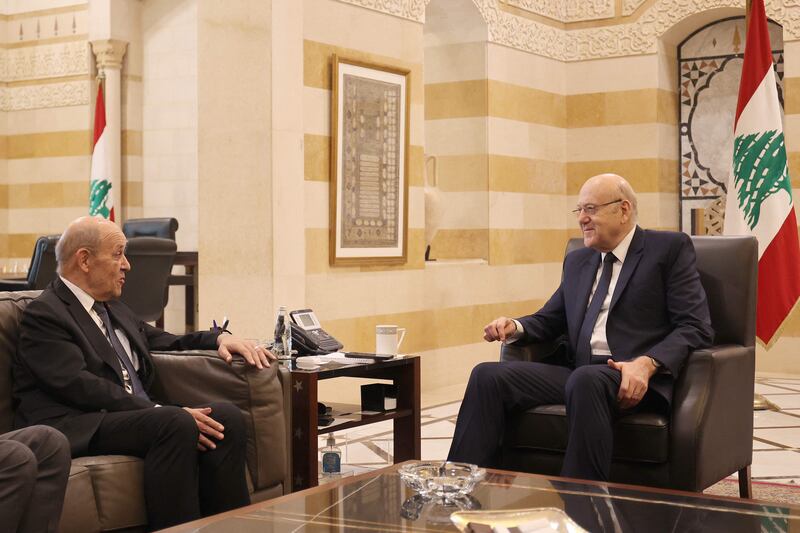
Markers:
point(759, 171)
point(98, 198)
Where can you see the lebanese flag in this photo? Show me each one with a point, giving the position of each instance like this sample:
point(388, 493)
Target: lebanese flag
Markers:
point(101, 200)
point(759, 198)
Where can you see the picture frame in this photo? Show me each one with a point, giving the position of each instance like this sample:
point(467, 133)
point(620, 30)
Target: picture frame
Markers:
point(369, 163)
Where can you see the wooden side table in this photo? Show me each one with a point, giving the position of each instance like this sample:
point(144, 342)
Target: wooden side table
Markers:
point(404, 373)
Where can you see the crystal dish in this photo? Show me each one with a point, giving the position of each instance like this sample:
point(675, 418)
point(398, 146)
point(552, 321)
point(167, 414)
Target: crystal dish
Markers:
point(441, 479)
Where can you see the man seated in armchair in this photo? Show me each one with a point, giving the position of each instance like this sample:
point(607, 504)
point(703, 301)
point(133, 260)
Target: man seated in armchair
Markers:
point(83, 366)
point(630, 308)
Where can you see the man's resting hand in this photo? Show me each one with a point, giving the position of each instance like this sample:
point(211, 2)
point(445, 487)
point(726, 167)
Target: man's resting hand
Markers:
point(636, 376)
point(255, 355)
point(498, 329)
point(208, 428)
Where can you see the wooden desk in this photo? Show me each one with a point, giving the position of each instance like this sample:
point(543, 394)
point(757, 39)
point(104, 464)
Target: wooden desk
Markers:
point(189, 260)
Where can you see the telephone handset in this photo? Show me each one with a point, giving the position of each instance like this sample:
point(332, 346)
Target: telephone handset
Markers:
point(308, 337)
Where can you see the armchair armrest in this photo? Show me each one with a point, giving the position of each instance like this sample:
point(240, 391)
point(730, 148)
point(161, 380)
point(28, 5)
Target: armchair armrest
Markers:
point(192, 378)
point(712, 416)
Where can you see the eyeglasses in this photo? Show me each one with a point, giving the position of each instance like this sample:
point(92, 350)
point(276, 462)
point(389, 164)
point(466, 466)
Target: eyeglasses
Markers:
point(591, 209)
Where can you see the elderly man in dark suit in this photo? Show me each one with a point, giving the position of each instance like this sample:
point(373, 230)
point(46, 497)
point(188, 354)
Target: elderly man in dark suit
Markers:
point(631, 308)
point(83, 366)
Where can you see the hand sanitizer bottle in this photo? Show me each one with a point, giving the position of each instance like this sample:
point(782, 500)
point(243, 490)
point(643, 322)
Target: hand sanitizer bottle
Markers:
point(331, 458)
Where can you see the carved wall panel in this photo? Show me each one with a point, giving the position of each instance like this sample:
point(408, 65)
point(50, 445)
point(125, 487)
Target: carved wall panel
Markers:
point(567, 10)
point(630, 6)
point(634, 38)
point(43, 96)
point(46, 61)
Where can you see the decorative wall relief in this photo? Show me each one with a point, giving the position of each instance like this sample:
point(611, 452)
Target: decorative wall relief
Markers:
point(44, 96)
point(710, 66)
point(630, 6)
point(45, 61)
point(567, 10)
point(407, 9)
point(634, 38)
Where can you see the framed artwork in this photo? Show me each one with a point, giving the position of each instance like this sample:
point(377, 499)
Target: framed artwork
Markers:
point(369, 164)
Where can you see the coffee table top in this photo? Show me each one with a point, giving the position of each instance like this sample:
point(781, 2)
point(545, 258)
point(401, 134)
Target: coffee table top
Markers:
point(337, 369)
point(378, 501)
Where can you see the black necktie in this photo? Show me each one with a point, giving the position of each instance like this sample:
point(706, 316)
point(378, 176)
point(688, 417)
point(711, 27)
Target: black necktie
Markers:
point(583, 351)
point(127, 364)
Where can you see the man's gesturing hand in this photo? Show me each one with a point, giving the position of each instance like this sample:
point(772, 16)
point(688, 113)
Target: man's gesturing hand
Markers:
point(255, 355)
point(635, 378)
point(498, 329)
point(208, 428)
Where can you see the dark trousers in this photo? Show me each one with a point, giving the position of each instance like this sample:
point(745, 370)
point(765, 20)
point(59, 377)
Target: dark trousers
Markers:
point(34, 469)
point(496, 390)
point(181, 483)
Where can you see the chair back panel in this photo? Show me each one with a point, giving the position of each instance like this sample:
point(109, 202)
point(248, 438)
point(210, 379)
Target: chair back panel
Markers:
point(728, 268)
point(164, 228)
point(145, 289)
point(42, 269)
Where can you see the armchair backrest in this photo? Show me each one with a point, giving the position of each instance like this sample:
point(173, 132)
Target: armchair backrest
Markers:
point(42, 269)
point(728, 268)
point(145, 289)
point(12, 304)
point(164, 228)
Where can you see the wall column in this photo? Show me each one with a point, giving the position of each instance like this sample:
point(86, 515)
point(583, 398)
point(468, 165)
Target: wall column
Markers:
point(234, 165)
point(108, 55)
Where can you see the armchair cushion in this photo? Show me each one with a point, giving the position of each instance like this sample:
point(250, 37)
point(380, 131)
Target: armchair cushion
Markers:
point(640, 437)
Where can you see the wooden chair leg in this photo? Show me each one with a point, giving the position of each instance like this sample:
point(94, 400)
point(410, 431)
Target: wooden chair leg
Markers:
point(745, 483)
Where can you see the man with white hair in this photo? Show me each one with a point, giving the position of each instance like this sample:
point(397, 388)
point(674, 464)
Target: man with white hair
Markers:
point(83, 366)
point(630, 307)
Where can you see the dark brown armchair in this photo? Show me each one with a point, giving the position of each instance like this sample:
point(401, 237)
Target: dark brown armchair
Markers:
point(709, 434)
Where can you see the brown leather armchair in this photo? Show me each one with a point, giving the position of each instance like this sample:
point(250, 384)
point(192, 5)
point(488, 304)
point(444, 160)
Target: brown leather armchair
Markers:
point(709, 434)
point(106, 492)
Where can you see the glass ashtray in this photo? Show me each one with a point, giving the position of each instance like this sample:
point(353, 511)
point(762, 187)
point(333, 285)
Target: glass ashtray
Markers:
point(437, 479)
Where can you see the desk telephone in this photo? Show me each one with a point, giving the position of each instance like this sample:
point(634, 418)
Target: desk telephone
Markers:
point(308, 337)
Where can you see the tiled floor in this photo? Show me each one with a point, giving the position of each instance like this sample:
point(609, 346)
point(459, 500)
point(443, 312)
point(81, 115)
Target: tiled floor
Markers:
point(776, 441)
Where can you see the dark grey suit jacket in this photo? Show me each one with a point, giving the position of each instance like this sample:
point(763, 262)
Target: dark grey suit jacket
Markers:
point(67, 375)
point(658, 308)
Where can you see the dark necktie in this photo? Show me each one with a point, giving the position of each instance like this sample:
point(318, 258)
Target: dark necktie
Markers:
point(583, 351)
point(127, 364)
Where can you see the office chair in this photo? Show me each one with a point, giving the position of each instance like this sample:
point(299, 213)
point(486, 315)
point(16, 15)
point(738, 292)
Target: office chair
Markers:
point(709, 434)
point(145, 289)
point(42, 269)
point(164, 228)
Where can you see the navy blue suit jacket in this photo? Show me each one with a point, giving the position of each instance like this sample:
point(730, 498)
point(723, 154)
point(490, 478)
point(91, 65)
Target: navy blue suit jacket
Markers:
point(658, 308)
point(67, 375)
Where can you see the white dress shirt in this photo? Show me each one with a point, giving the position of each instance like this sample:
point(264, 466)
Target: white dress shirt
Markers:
point(599, 342)
point(87, 302)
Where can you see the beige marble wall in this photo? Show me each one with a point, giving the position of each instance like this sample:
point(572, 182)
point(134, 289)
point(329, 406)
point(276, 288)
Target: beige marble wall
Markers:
point(45, 122)
point(234, 158)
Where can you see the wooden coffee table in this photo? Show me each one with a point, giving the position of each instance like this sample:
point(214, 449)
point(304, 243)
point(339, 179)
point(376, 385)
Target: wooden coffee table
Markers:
point(403, 372)
point(378, 501)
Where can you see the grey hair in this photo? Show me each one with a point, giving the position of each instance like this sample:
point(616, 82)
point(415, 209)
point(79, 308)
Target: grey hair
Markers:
point(627, 193)
point(79, 234)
